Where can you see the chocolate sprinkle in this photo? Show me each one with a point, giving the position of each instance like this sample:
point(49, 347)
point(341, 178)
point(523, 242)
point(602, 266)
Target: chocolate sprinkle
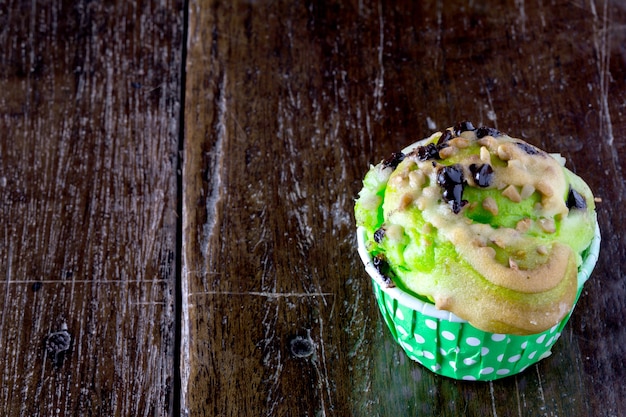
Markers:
point(483, 131)
point(383, 268)
point(443, 139)
point(482, 175)
point(379, 235)
point(451, 179)
point(427, 152)
point(394, 160)
point(463, 127)
point(575, 200)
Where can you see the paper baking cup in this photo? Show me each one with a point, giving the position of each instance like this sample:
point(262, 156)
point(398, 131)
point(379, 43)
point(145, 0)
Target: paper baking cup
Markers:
point(450, 346)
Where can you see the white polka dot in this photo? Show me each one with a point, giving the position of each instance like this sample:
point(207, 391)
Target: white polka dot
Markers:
point(419, 339)
point(472, 341)
point(498, 337)
point(532, 355)
point(443, 352)
point(389, 306)
point(541, 338)
point(436, 367)
point(524, 345)
point(428, 355)
point(399, 314)
point(553, 329)
point(484, 351)
point(400, 329)
point(500, 357)
point(545, 355)
point(550, 340)
point(503, 371)
point(469, 361)
point(515, 358)
point(431, 324)
point(486, 371)
point(448, 335)
point(469, 378)
point(453, 365)
point(407, 347)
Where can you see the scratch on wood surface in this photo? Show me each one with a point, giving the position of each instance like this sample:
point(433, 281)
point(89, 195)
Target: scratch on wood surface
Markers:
point(272, 360)
point(356, 316)
point(517, 396)
point(602, 44)
point(297, 196)
point(185, 334)
point(491, 111)
point(440, 28)
point(602, 34)
point(522, 15)
point(150, 303)
point(215, 159)
point(322, 374)
point(542, 396)
point(264, 294)
point(379, 82)
point(90, 281)
point(7, 294)
point(493, 399)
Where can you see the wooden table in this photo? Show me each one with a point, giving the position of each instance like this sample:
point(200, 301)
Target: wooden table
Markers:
point(177, 185)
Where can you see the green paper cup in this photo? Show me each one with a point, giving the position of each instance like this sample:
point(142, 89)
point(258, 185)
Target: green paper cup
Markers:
point(450, 346)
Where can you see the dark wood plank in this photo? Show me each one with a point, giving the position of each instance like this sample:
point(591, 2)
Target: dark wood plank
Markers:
point(89, 105)
point(287, 104)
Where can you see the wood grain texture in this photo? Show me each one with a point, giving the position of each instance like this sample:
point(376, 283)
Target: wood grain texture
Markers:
point(287, 104)
point(89, 105)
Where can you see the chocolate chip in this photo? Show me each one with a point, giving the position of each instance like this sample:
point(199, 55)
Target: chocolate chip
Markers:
point(452, 174)
point(529, 149)
point(379, 235)
point(454, 197)
point(452, 180)
point(430, 151)
point(393, 160)
point(483, 175)
point(443, 139)
point(483, 131)
point(575, 200)
point(383, 268)
point(463, 127)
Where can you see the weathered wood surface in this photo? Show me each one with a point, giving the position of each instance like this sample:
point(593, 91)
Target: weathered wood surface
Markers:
point(89, 108)
point(286, 105)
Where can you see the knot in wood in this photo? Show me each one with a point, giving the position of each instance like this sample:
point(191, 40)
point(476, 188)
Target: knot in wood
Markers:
point(301, 347)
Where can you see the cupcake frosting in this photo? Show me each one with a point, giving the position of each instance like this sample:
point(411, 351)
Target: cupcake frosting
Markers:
point(481, 224)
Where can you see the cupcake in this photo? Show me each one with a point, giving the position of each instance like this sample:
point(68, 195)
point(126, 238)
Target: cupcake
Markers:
point(478, 245)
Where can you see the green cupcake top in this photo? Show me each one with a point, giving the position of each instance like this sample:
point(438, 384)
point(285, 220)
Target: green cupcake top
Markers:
point(481, 224)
